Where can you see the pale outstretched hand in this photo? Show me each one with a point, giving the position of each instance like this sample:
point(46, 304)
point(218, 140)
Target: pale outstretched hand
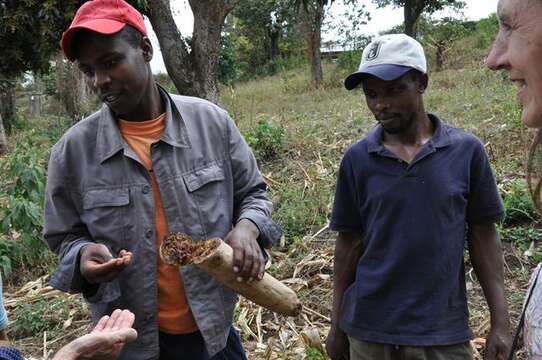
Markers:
point(105, 341)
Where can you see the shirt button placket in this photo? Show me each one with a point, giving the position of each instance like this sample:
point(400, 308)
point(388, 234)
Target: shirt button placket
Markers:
point(146, 189)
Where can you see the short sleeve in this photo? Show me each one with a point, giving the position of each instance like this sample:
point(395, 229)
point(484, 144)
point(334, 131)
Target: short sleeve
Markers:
point(484, 202)
point(345, 216)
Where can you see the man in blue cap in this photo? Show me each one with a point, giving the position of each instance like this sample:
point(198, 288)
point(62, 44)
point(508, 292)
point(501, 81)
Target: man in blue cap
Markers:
point(407, 193)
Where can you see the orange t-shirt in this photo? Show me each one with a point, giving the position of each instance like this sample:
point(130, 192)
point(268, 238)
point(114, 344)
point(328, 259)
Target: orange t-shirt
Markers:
point(174, 315)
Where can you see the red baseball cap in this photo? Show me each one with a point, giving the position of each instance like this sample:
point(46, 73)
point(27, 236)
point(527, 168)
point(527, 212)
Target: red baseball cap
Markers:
point(104, 17)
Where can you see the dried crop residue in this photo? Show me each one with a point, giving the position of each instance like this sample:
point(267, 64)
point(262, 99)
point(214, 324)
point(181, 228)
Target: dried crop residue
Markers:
point(180, 249)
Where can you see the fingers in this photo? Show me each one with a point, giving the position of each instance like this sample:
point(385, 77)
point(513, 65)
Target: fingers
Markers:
point(101, 324)
point(125, 257)
point(248, 261)
point(115, 320)
point(98, 265)
point(246, 269)
point(127, 319)
point(126, 335)
point(253, 262)
point(261, 269)
point(97, 273)
point(238, 260)
point(257, 264)
point(119, 320)
point(124, 319)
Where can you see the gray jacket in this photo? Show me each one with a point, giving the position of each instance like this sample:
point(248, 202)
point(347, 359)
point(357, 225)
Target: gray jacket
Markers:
point(99, 192)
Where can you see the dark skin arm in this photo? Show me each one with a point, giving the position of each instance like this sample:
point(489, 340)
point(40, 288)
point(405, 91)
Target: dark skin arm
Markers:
point(347, 253)
point(248, 259)
point(487, 259)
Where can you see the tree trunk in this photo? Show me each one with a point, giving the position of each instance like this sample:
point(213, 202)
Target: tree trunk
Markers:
point(440, 55)
point(412, 11)
point(3, 139)
point(7, 103)
point(174, 49)
point(274, 34)
point(73, 90)
point(193, 72)
point(313, 16)
point(209, 16)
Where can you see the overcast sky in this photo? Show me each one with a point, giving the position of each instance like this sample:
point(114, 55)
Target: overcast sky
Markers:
point(381, 19)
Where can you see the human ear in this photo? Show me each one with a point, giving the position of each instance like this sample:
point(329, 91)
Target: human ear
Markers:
point(147, 49)
point(423, 81)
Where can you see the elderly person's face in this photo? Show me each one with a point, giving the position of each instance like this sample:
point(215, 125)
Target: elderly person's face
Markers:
point(518, 49)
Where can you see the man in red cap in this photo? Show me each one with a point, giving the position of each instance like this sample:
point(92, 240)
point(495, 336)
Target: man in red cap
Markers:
point(147, 164)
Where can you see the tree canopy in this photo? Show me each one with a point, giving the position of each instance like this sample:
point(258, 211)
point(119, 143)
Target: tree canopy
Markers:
point(414, 8)
point(30, 33)
point(429, 6)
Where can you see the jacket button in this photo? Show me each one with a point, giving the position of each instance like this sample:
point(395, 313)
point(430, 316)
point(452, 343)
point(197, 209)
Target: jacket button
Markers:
point(148, 234)
point(146, 189)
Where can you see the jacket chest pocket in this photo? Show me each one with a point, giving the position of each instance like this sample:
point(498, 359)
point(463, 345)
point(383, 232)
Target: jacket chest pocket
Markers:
point(105, 212)
point(207, 189)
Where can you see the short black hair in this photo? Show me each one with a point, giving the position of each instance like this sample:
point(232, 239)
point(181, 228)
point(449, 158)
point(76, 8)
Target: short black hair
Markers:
point(129, 33)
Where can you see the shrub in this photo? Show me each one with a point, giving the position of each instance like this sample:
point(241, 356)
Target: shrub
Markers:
point(348, 61)
point(228, 65)
point(35, 318)
point(299, 209)
point(521, 235)
point(517, 202)
point(487, 30)
point(21, 195)
point(314, 354)
point(266, 140)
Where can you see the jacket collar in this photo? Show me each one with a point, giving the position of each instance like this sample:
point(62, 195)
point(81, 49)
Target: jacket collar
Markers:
point(109, 141)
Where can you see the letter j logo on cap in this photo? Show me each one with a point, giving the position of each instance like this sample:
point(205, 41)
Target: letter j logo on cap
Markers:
point(373, 51)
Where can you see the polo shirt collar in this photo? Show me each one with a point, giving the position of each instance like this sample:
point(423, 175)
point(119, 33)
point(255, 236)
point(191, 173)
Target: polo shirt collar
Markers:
point(441, 137)
point(109, 140)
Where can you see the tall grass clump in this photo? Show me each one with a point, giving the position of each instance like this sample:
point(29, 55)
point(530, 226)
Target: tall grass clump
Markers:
point(517, 202)
point(266, 140)
point(348, 61)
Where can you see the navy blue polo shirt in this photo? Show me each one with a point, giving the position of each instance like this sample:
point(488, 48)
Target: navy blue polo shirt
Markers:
point(410, 279)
